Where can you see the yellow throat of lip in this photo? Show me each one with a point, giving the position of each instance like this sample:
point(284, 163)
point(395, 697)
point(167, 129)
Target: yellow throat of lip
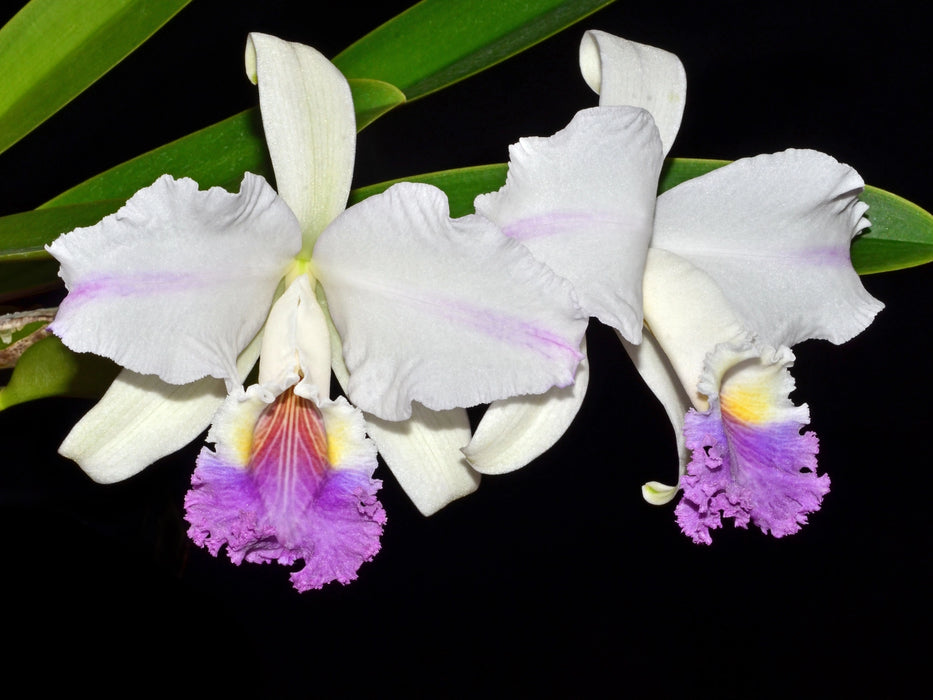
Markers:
point(749, 404)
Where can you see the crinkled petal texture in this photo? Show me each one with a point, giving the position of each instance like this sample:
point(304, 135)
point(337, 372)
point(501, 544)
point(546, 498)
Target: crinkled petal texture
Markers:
point(179, 280)
point(624, 72)
point(774, 232)
point(582, 201)
point(309, 125)
point(750, 460)
point(289, 480)
point(449, 313)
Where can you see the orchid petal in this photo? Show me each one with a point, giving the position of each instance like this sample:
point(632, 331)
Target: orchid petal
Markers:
point(514, 431)
point(141, 419)
point(657, 373)
point(444, 312)
point(178, 281)
point(624, 72)
point(296, 341)
point(423, 452)
point(688, 315)
point(774, 232)
point(582, 201)
point(310, 128)
point(424, 455)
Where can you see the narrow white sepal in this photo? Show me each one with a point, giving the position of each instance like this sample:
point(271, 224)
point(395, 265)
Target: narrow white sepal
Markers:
point(141, 419)
point(624, 72)
point(660, 377)
point(424, 454)
point(310, 128)
point(513, 432)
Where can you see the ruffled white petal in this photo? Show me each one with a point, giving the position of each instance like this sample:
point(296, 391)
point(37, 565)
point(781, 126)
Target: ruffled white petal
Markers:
point(774, 232)
point(582, 201)
point(659, 375)
point(513, 432)
point(296, 341)
point(688, 315)
point(444, 312)
point(310, 128)
point(627, 73)
point(141, 419)
point(424, 454)
point(179, 280)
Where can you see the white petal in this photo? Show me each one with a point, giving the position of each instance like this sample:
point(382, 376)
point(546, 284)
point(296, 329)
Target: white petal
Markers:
point(657, 373)
point(513, 432)
point(424, 454)
point(688, 316)
point(444, 312)
point(774, 231)
point(583, 202)
point(310, 128)
point(141, 419)
point(626, 73)
point(178, 281)
point(296, 341)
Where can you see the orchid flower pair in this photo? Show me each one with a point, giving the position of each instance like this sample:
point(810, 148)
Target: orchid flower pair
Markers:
point(727, 271)
point(419, 315)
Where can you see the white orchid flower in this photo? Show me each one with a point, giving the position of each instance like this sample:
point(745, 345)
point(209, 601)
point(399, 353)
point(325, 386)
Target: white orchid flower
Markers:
point(433, 314)
point(743, 263)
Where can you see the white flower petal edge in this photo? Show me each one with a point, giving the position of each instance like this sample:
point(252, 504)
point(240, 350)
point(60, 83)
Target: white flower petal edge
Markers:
point(424, 455)
point(515, 431)
point(624, 72)
point(141, 419)
point(310, 129)
point(423, 452)
point(774, 232)
point(472, 315)
point(178, 281)
point(582, 201)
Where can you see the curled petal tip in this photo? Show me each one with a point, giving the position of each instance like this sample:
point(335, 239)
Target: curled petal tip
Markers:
point(658, 494)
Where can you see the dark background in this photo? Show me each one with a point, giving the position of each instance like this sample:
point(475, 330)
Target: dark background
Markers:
point(557, 580)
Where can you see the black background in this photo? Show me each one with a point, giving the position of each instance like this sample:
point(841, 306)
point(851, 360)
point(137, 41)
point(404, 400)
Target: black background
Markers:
point(557, 580)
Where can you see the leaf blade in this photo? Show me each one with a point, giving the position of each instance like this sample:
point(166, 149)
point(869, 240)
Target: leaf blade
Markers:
point(439, 42)
point(52, 50)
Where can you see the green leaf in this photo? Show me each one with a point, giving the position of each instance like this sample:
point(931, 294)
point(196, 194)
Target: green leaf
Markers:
point(48, 368)
point(900, 236)
point(439, 42)
point(52, 50)
point(215, 156)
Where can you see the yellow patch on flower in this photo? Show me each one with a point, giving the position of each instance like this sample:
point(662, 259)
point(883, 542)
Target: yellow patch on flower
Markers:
point(749, 402)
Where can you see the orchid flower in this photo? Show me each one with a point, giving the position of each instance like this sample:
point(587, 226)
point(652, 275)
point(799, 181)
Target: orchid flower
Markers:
point(182, 284)
point(743, 263)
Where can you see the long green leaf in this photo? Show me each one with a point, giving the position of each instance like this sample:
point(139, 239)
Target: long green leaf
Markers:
point(52, 50)
point(439, 42)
